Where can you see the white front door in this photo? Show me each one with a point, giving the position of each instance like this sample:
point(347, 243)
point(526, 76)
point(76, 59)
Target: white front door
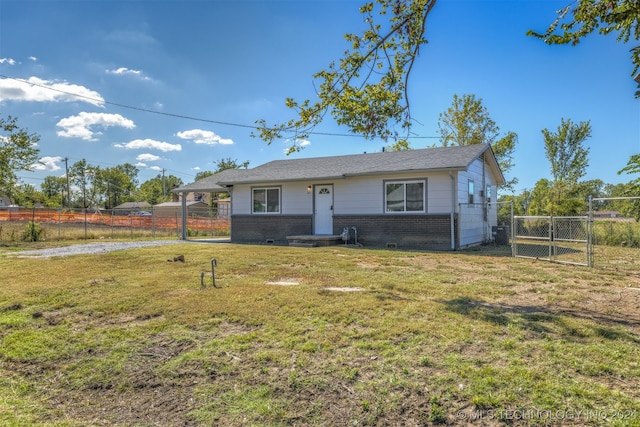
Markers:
point(323, 209)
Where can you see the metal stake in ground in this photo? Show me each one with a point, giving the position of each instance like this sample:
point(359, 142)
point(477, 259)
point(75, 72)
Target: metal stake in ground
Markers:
point(213, 274)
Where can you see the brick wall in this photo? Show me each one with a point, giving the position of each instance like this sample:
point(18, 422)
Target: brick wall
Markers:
point(429, 232)
point(272, 228)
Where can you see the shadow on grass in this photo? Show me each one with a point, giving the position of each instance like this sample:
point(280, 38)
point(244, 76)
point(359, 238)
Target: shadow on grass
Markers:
point(547, 319)
point(490, 249)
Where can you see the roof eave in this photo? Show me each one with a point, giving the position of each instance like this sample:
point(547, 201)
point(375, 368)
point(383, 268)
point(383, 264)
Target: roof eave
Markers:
point(267, 181)
point(406, 171)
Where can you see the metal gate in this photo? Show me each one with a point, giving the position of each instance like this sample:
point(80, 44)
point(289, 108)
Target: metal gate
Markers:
point(563, 239)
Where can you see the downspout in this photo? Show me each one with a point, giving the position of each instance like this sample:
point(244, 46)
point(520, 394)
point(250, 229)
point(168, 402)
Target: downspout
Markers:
point(184, 216)
point(453, 210)
point(485, 205)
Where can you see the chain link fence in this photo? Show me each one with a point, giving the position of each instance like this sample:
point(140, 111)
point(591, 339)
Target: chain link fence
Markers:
point(615, 232)
point(38, 224)
point(558, 239)
point(608, 237)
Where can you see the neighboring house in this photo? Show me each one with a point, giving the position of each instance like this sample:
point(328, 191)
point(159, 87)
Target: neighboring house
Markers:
point(174, 209)
point(131, 207)
point(218, 199)
point(223, 207)
point(435, 198)
point(4, 202)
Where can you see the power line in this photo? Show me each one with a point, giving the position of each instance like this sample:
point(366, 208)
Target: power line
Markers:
point(179, 116)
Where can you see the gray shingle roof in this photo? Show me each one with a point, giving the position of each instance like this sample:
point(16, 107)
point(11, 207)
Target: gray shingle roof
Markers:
point(208, 184)
point(390, 162)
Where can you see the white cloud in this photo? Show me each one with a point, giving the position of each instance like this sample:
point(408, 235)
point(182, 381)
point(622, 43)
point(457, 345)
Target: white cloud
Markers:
point(140, 165)
point(47, 164)
point(79, 126)
point(9, 61)
point(123, 71)
point(138, 144)
point(156, 168)
point(200, 136)
point(33, 58)
point(147, 157)
point(38, 90)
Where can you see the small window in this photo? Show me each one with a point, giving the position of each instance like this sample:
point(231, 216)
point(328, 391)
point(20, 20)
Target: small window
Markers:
point(488, 194)
point(405, 196)
point(266, 200)
point(471, 192)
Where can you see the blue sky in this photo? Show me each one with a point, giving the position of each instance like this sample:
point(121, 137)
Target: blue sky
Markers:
point(211, 68)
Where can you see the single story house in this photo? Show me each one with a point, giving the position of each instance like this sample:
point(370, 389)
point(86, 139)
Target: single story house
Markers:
point(174, 209)
point(434, 198)
point(127, 208)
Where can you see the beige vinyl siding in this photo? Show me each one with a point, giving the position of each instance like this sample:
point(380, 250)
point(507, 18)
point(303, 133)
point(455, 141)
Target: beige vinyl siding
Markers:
point(352, 196)
point(474, 225)
point(355, 196)
point(294, 199)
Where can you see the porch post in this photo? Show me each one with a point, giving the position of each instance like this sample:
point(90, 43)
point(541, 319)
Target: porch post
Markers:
point(184, 216)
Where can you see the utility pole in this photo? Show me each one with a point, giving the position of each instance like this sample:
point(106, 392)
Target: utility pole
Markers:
point(164, 187)
point(108, 194)
point(66, 167)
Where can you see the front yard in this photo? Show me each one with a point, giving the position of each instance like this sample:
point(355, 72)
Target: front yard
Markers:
point(330, 336)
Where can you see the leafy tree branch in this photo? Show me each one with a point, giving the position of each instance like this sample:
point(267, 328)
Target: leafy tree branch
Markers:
point(583, 17)
point(367, 90)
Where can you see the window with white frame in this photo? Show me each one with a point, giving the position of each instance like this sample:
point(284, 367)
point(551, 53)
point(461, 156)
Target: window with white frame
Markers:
point(405, 196)
point(266, 200)
point(488, 194)
point(471, 191)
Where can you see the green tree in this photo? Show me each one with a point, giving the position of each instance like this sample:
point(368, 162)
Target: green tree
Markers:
point(202, 175)
point(565, 150)
point(630, 189)
point(54, 189)
point(28, 196)
point(400, 145)
point(228, 163)
point(568, 158)
point(556, 199)
point(116, 185)
point(592, 188)
point(82, 175)
point(468, 122)
point(632, 166)
point(152, 190)
point(583, 17)
point(18, 152)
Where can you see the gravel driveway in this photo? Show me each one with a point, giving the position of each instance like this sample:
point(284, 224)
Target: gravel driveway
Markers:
point(91, 248)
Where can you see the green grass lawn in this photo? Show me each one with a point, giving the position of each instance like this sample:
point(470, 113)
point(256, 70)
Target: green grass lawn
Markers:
point(416, 338)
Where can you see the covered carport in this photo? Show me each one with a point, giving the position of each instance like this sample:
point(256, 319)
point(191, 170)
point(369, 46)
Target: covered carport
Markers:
point(204, 185)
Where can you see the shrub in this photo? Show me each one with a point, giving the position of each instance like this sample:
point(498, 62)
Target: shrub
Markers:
point(32, 232)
